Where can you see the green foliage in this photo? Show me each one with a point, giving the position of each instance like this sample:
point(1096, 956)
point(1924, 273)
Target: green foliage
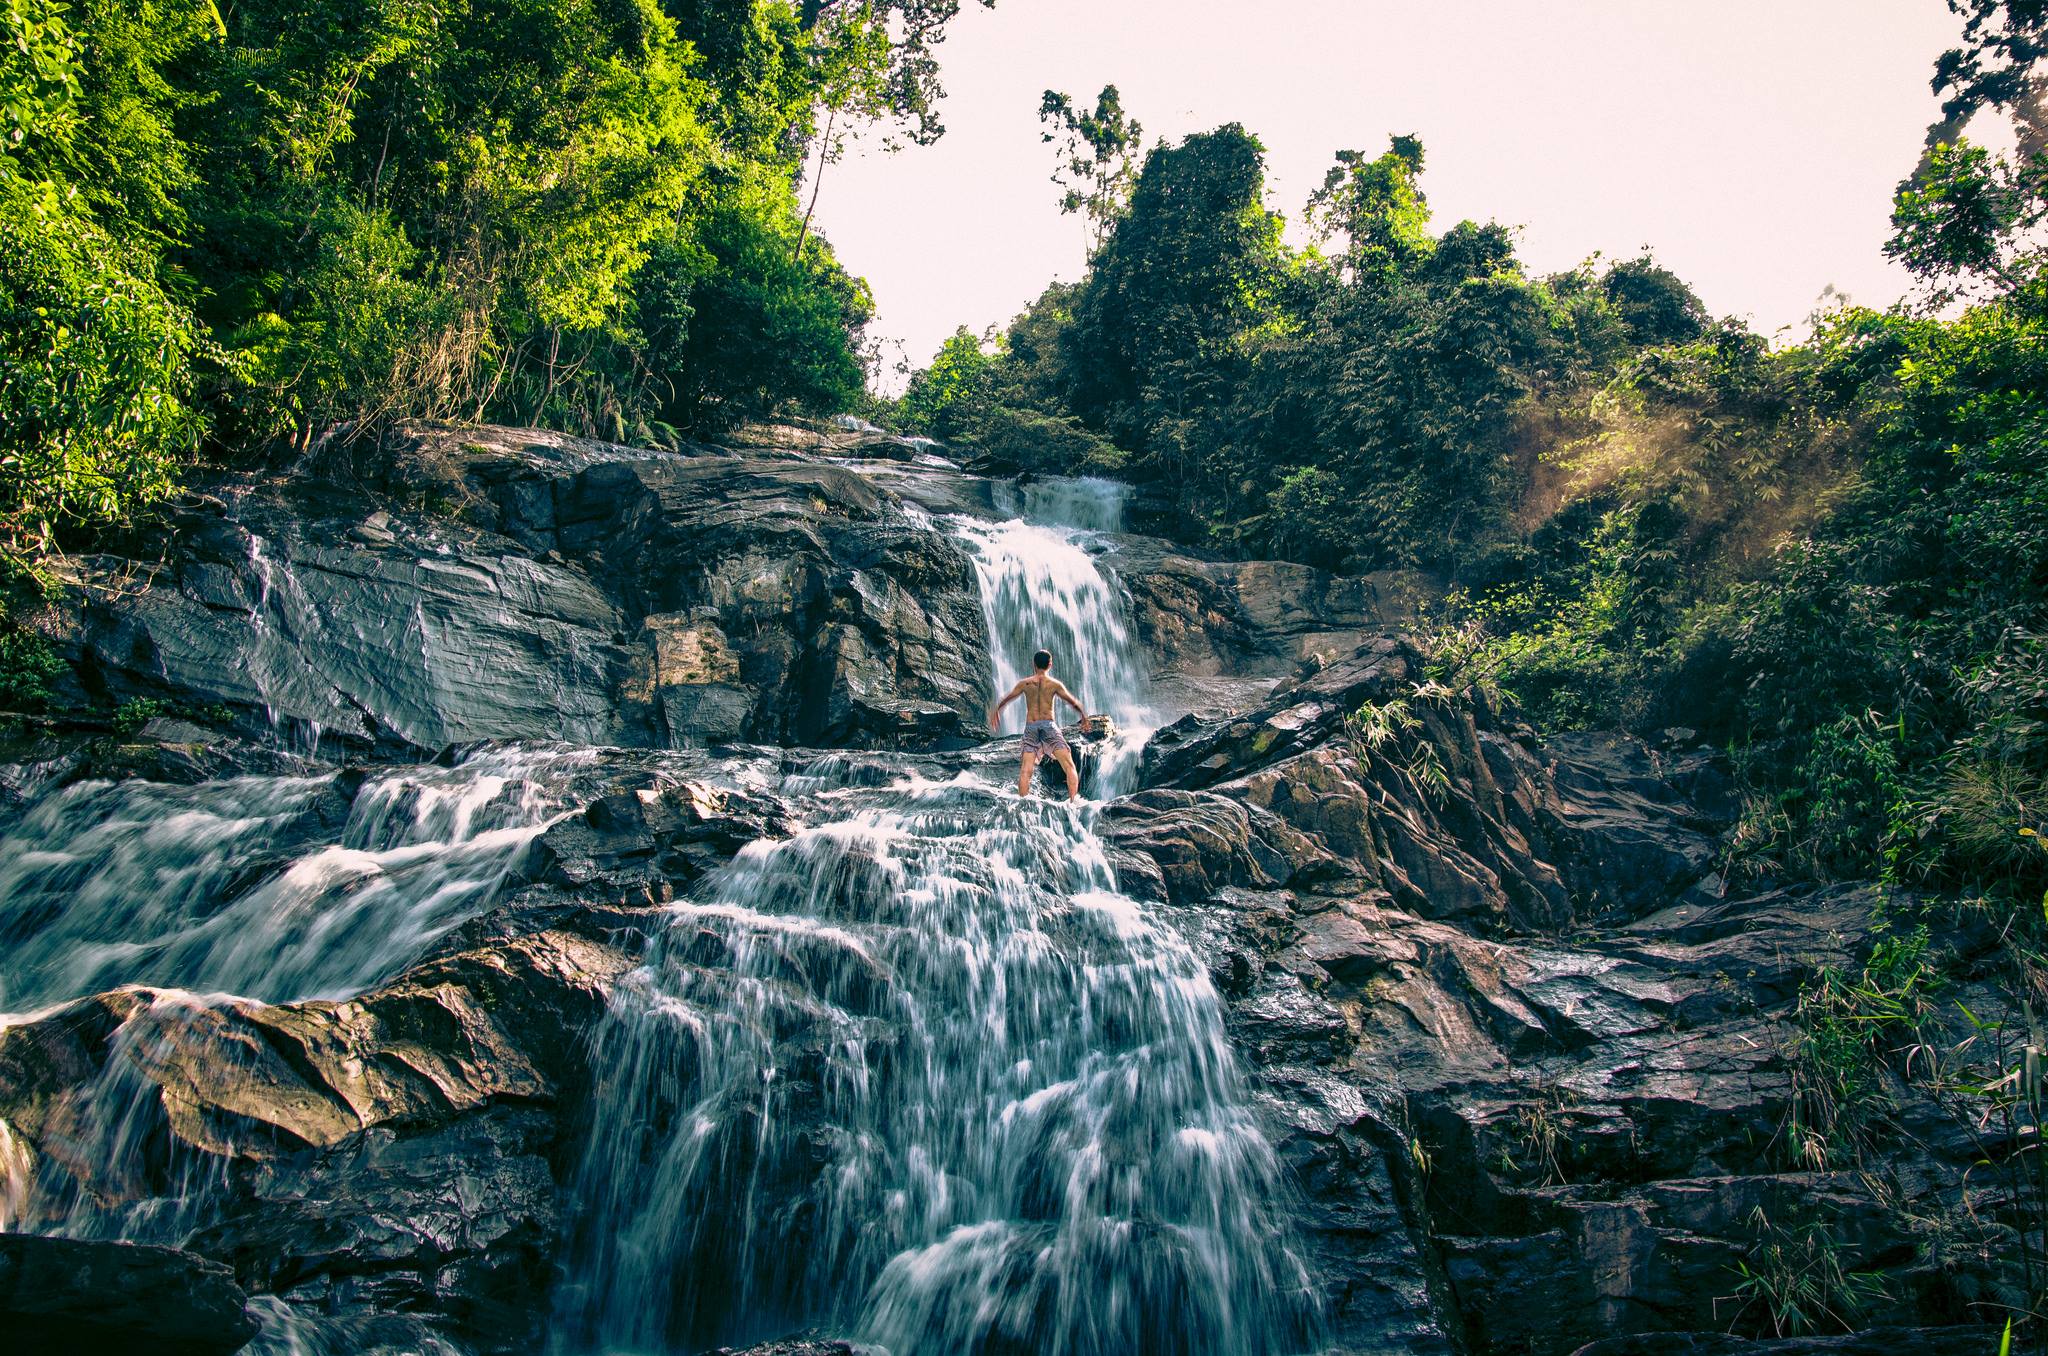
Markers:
point(945, 398)
point(1360, 410)
point(1795, 1274)
point(737, 324)
point(247, 224)
point(95, 375)
point(1156, 341)
point(1964, 223)
point(1853, 1030)
point(1392, 733)
point(28, 666)
point(1653, 303)
point(1098, 153)
point(130, 716)
point(1994, 67)
point(1379, 208)
point(38, 77)
point(996, 397)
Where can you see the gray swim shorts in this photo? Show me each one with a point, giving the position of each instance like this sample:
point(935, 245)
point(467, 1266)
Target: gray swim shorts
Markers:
point(1043, 737)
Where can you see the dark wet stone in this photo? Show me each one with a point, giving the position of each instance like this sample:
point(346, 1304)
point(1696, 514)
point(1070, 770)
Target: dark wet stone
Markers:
point(62, 1294)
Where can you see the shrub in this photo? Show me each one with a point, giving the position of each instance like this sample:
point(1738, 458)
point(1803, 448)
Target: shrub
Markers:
point(95, 375)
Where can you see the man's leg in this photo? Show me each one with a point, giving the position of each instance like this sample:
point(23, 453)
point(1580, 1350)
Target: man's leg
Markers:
point(1066, 757)
point(1024, 776)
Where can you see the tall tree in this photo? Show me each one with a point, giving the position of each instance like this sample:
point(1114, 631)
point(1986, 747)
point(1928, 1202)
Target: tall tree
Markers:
point(1378, 207)
point(1154, 347)
point(1098, 156)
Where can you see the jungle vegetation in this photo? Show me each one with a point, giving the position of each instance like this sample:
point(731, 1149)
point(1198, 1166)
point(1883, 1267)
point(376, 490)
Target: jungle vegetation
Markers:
point(229, 229)
point(1829, 556)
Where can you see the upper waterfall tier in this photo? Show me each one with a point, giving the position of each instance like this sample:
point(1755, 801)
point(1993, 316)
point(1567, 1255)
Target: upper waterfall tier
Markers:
point(567, 590)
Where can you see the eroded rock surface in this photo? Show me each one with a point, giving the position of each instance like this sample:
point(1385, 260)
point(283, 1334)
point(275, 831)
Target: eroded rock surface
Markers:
point(1529, 1056)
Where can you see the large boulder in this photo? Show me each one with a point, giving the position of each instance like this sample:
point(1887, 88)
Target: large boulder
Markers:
point(391, 1153)
point(467, 584)
point(68, 1294)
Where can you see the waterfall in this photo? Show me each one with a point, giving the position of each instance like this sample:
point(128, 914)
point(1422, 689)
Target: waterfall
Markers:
point(252, 888)
point(1042, 587)
point(249, 886)
point(1088, 503)
point(921, 1075)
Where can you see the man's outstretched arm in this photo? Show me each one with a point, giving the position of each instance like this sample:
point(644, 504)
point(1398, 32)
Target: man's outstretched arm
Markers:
point(995, 714)
point(1060, 690)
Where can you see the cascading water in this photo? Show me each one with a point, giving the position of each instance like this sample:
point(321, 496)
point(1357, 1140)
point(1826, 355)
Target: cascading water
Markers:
point(1086, 503)
point(250, 887)
point(254, 888)
point(920, 1074)
point(1042, 588)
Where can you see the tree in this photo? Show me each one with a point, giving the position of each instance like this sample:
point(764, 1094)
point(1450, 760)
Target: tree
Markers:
point(874, 61)
point(1968, 223)
point(1154, 346)
point(1654, 304)
point(1378, 207)
point(1098, 155)
point(1997, 67)
point(96, 416)
point(944, 398)
point(96, 353)
point(734, 325)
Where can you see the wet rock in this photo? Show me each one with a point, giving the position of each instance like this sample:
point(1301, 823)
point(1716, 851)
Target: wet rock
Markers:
point(786, 597)
point(166, 749)
point(380, 647)
point(1191, 754)
point(459, 1221)
point(654, 839)
point(63, 1294)
point(394, 1151)
point(1201, 843)
point(1205, 617)
point(1527, 1055)
point(1645, 839)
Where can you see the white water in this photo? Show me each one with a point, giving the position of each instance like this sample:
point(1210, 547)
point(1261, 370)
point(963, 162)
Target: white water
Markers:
point(1042, 587)
point(255, 888)
point(922, 1076)
point(251, 887)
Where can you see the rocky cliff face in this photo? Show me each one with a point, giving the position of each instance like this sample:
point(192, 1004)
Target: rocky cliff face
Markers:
point(501, 584)
point(1522, 1055)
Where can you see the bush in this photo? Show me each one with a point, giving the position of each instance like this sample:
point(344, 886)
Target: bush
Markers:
point(28, 666)
point(95, 375)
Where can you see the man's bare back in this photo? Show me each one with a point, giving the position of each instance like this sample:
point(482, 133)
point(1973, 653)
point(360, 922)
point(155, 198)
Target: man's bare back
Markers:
point(1039, 693)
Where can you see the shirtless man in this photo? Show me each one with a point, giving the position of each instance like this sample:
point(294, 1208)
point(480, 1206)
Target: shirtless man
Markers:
point(1041, 732)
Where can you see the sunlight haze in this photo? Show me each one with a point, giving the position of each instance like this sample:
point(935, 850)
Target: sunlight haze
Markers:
point(1752, 146)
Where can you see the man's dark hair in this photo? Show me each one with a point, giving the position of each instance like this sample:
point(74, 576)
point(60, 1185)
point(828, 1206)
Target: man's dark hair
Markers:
point(1043, 660)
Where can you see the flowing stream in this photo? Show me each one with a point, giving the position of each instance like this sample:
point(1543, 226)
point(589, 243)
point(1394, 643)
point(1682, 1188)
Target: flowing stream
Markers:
point(269, 888)
point(920, 1074)
point(264, 889)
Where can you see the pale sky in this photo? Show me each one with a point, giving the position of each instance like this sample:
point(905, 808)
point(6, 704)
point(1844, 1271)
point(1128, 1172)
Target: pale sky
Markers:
point(1753, 145)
